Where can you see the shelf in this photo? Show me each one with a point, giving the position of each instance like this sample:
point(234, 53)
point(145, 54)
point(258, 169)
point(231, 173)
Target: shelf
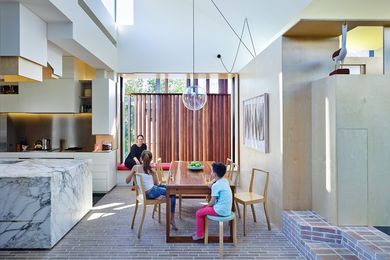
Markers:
point(85, 97)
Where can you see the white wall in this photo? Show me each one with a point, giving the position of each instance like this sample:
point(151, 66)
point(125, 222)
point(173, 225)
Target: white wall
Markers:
point(161, 38)
point(22, 33)
point(263, 75)
point(33, 40)
point(83, 39)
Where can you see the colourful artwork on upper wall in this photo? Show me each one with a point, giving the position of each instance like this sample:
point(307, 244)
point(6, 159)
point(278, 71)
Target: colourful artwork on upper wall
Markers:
point(255, 115)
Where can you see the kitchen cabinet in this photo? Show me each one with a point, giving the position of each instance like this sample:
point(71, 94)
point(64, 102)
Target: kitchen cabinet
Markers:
point(102, 165)
point(103, 169)
point(85, 96)
point(104, 106)
point(49, 96)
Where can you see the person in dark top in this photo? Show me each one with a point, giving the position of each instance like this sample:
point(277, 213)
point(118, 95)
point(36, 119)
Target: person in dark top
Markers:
point(135, 152)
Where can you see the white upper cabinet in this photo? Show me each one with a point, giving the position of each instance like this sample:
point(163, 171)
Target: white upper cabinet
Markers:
point(49, 96)
point(103, 106)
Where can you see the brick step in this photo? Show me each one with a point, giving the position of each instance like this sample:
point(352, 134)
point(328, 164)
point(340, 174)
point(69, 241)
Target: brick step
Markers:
point(317, 239)
point(366, 242)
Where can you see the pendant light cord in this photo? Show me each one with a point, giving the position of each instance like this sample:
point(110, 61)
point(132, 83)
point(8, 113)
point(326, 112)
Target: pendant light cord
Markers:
point(234, 31)
point(193, 40)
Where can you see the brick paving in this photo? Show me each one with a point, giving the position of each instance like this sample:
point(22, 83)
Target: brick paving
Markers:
point(104, 233)
point(317, 239)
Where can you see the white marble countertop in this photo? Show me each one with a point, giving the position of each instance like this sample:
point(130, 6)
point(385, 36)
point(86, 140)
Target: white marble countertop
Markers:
point(36, 167)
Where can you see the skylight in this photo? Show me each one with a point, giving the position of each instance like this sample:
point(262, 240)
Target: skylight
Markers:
point(124, 12)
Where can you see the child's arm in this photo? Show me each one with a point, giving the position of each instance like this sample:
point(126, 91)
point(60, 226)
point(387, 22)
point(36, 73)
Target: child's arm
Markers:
point(155, 178)
point(131, 174)
point(212, 201)
point(211, 183)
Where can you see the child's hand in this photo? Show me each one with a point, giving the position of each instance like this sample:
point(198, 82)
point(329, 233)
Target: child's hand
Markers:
point(211, 183)
point(128, 179)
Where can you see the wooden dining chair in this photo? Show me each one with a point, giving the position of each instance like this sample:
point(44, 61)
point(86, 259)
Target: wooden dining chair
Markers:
point(161, 179)
point(233, 173)
point(141, 199)
point(251, 198)
point(160, 172)
point(228, 164)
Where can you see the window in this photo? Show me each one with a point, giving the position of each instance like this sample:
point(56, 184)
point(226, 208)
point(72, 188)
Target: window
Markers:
point(125, 12)
point(110, 6)
point(145, 109)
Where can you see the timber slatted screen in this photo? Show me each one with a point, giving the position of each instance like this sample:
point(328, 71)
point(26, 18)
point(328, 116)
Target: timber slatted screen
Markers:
point(173, 132)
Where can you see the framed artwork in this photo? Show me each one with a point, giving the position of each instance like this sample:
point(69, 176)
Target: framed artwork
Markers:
point(255, 127)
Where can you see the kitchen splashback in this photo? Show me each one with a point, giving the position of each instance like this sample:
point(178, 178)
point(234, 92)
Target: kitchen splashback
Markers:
point(75, 129)
point(3, 132)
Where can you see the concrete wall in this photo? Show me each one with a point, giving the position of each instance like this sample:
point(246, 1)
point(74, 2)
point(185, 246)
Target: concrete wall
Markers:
point(324, 200)
point(289, 161)
point(361, 166)
point(263, 75)
point(304, 60)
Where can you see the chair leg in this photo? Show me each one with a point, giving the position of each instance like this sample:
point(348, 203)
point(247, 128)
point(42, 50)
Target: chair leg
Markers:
point(235, 232)
point(135, 213)
point(142, 222)
point(154, 210)
point(180, 206)
point(159, 213)
point(206, 230)
point(266, 216)
point(244, 219)
point(238, 209)
point(220, 239)
point(253, 212)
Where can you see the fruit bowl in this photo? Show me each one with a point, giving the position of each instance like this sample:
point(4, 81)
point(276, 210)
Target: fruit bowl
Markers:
point(195, 166)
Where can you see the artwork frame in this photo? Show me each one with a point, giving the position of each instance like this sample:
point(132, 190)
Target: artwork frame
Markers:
point(255, 123)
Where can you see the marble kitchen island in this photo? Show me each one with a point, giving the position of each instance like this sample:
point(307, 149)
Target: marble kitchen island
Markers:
point(41, 200)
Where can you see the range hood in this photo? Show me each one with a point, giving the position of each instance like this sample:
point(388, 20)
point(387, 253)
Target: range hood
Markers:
point(19, 69)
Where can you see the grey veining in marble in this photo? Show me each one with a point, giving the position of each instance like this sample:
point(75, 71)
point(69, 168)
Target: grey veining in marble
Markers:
point(41, 200)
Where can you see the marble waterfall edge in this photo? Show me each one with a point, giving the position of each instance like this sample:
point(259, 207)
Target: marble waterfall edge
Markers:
point(41, 200)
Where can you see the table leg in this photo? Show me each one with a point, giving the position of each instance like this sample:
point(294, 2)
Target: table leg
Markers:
point(168, 215)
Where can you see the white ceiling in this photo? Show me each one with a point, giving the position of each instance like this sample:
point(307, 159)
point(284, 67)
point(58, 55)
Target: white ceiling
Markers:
point(161, 38)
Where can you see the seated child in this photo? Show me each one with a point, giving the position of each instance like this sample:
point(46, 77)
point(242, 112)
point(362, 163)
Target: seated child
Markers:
point(221, 199)
point(153, 189)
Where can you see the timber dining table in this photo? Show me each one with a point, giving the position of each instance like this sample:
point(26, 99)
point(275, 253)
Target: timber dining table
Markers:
point(182, 180)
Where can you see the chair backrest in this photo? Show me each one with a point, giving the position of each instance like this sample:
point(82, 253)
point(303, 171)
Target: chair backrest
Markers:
point(265, 191)
point(233, 173)
point(159, 170)
point(139, 186)
point(228, 164)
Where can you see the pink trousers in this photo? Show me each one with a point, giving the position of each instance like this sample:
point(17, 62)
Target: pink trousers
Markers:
point(200, 215)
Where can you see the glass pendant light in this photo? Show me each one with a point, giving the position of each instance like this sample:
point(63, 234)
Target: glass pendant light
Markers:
point(194, 97)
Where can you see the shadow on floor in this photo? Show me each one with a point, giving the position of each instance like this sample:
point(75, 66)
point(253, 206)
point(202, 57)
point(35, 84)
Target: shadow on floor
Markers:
point(96, 197)
point(385, 230)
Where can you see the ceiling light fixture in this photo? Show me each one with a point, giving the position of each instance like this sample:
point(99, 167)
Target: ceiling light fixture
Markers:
point(194, 97)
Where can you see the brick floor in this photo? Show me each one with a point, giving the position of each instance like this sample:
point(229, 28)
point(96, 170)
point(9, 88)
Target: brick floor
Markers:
point(105, 234)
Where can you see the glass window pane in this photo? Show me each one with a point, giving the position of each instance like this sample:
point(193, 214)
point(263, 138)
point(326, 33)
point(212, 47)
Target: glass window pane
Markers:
point(125, 12)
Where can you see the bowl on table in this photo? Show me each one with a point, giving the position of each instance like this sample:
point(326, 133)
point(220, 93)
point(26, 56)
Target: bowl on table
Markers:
point(195, 166)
